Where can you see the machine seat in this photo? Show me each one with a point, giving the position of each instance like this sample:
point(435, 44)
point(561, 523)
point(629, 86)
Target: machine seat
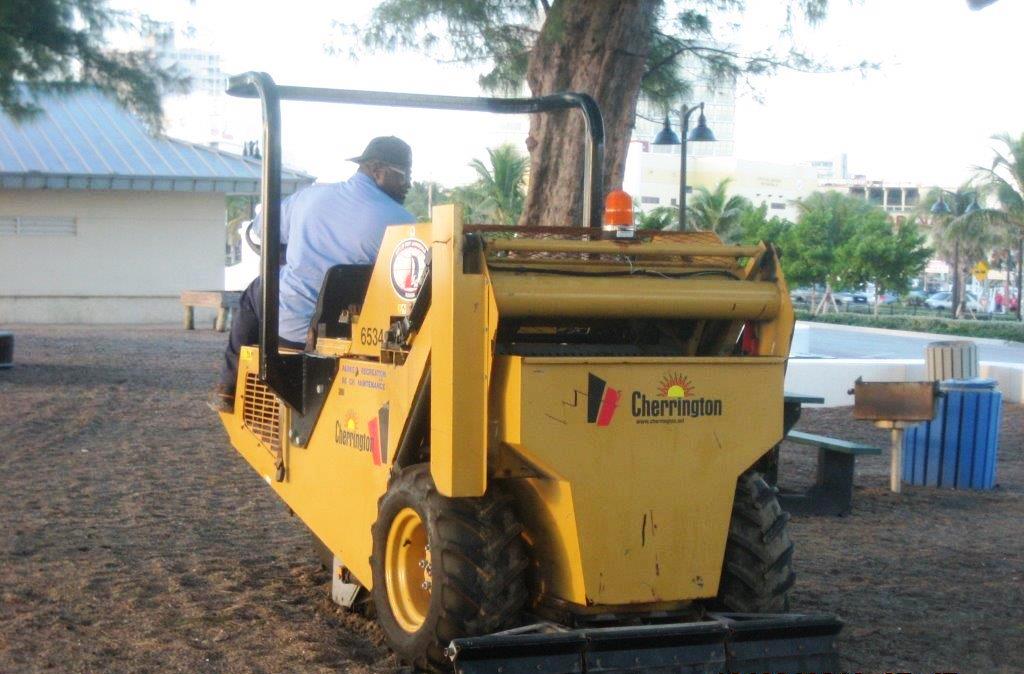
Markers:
point(344, 285)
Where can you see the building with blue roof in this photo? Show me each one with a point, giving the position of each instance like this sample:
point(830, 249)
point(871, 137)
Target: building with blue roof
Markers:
point(102, 221)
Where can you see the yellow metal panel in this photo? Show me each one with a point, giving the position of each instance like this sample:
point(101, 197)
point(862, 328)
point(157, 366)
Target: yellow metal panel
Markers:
point(399, 264)
point(460, 362)
point(536, 295)
point(777, 335)
point(334, 483)
point(547, 505)
point(651, 448)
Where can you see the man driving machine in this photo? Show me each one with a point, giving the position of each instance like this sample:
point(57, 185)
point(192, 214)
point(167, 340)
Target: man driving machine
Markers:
point(322, 226)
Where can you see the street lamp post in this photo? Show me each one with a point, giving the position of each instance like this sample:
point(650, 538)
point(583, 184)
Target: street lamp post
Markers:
point(701, 133)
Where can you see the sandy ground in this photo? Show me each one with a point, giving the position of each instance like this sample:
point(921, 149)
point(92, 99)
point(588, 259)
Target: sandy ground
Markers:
point(136, 540)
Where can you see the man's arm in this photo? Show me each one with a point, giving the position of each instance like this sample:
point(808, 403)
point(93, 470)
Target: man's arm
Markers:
point(284, 226)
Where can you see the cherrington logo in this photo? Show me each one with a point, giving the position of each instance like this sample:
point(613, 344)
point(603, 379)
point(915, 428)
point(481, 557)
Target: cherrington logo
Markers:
point(602, 400)
point(374, 441)
point(674, 402)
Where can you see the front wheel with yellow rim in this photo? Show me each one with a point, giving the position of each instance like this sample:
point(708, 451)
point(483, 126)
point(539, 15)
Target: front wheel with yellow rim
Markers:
point(444, 567)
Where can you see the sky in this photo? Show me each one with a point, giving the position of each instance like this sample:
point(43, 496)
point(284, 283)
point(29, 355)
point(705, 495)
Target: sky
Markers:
point(947, 81)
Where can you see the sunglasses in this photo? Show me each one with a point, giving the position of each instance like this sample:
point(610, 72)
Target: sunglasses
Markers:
point(389, 167)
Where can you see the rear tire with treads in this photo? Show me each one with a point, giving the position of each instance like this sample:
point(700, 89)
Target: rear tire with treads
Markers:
point(474, 561)
point(757, 572)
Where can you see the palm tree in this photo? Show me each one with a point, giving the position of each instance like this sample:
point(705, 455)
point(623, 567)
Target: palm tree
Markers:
point(503, 184)
point(661, 218)
point(1006, 176)
point(715, 211)
point(962, 236)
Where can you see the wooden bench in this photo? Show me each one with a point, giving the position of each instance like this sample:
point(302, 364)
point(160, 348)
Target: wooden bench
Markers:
point(832, 492)
point(224, 301)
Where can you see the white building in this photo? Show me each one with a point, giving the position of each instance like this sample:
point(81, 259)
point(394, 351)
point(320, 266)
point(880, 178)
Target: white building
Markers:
point(831, 169)
point(102, 222)
point(206, 114)
point(652, 178)
point(897, 198)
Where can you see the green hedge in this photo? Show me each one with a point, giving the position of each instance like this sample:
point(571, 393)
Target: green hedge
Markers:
point(1013, 332)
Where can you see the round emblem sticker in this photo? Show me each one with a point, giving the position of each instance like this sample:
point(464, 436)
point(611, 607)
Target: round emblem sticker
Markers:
point(408, 264)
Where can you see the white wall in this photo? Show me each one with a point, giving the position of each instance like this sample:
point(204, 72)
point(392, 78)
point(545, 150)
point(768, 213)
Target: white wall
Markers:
point(831, 378)
point(132, 255)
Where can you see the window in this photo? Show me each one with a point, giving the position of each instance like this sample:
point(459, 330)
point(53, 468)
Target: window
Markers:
point(37, 226)
point(650, 200)
point(778, 205)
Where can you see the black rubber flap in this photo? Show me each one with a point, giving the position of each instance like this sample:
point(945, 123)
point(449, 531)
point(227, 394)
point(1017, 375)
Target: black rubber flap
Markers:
point(728, 643)
point(782, 642)
point(681, 648)
point(541, 653)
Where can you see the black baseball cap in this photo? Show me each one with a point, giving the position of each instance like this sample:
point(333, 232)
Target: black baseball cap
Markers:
point(388, 149)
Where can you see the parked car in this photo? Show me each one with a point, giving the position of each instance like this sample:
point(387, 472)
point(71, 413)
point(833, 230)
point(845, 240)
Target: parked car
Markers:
point(802, 295)
point(842, 297)
point(944, 300)
point(868, 299)
point(806, 294)
point(916, 298)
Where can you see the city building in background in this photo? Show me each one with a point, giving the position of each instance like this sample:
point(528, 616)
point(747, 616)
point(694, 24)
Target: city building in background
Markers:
point(205, 114)
point(719, 108)
point(652, 171)
point(896, 198)
point(653, 179)
point(831, 169)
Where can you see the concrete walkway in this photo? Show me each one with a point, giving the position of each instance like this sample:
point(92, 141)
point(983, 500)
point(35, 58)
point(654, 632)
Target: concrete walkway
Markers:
point(848, 341)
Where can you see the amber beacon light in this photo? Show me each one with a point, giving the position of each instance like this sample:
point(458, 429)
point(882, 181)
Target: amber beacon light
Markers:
point(618, 215)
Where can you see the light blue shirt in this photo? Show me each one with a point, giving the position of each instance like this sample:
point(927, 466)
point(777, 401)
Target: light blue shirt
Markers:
point(325, 225)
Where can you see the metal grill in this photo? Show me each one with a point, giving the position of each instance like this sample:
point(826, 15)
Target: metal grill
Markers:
point(261, 412)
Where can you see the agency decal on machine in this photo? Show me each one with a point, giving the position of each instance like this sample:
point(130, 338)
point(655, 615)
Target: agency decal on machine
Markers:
point(348, 432)
point(363, 376)
point(408, 266)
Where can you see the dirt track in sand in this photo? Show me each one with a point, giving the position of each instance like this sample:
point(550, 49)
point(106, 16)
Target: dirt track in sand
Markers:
point(136, 540)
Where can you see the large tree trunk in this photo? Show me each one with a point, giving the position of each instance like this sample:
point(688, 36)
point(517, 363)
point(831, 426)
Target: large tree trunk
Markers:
point(598, 47)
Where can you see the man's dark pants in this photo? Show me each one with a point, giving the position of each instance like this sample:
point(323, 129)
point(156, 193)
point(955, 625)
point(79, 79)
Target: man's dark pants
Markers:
point(245, 331)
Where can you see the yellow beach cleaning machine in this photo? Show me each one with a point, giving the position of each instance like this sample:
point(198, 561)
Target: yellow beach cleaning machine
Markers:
point(536, 449)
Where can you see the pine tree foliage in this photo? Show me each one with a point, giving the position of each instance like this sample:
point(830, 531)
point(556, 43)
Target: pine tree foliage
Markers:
point(498, 36)
point(56, 45)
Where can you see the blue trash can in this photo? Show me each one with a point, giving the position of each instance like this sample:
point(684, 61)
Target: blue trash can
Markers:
point(956, 449)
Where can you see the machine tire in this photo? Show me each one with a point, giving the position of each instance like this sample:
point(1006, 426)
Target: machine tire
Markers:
point(477, 563)
point(757, 572)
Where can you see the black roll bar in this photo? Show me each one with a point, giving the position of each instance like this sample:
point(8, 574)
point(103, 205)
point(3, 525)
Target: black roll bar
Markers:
point(277, 370)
